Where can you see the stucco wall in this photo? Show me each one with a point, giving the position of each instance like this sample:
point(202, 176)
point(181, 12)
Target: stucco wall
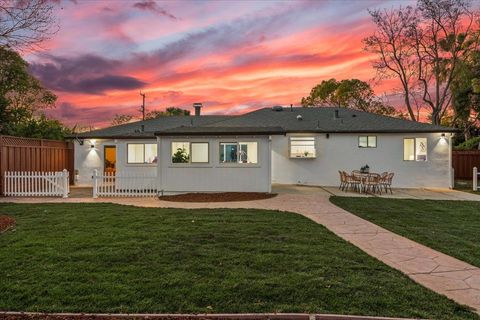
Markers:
point(338, 152)
point(88, 159)
point(215, 176)
point(341, 152)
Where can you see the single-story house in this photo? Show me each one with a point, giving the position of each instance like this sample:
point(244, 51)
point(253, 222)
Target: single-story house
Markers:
point(283, 145)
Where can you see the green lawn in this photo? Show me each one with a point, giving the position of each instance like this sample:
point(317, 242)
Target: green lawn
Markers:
point(112, 258)
point(451, 227)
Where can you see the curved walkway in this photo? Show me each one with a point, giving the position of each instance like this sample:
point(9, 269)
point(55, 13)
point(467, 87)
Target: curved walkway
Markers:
point(439, 272)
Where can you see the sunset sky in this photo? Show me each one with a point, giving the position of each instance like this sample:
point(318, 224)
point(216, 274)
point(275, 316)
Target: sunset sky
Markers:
point(233, 56)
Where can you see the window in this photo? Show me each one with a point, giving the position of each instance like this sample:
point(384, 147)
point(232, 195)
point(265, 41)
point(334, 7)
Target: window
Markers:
point(302, 147)
point(189, 152)
point(141, 153)
point(199, 152)
point(415, 149)
point(239, 152)
point(367, 141)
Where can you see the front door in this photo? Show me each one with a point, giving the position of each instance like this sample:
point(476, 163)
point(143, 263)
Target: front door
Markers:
point(110, 159)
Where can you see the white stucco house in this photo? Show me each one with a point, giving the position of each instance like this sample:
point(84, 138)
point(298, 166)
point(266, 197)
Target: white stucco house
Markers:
point(277, 145)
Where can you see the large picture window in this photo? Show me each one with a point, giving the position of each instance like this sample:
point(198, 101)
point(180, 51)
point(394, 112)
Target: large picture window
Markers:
point(367, 141)
point(302, 147)
point(190, 152)
point(141, 153)
point(415, 149)
point(239, 152)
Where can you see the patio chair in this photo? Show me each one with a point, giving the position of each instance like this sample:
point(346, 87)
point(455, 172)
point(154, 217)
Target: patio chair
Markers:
point(386, 182)
point(354, 181)
point(343, 180)
point(372, 182)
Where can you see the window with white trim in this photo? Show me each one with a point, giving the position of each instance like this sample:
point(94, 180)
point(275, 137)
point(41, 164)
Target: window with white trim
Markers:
point(415, 149)
point(190, 152)
point(367, 141)
point(239, 152)
point(141, 153)
point(302, 147)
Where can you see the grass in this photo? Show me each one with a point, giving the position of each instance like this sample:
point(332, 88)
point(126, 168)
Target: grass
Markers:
point(450, 227)
point(112, 258)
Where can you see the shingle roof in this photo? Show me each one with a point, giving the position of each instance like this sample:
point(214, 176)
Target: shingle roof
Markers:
point(221, 130)
point(134, 129)
point(323, 120)
point(268, 121)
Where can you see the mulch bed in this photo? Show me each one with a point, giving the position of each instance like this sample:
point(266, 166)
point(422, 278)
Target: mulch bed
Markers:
point(218, 197)
point(6, 222)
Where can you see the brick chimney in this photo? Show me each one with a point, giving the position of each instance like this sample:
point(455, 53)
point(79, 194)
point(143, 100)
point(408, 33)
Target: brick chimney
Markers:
point(198, 107)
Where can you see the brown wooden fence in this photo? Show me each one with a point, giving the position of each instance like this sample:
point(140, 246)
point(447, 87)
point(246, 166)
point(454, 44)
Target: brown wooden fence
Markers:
point(463, 163)
point(25, 154)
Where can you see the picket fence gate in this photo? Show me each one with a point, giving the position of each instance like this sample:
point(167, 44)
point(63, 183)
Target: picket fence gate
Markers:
point(36, 184)
point(111, 184)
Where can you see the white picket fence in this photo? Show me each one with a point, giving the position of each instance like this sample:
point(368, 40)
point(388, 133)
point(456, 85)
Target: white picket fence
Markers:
point(476, 174)
point(36, 184)
point(109, 184)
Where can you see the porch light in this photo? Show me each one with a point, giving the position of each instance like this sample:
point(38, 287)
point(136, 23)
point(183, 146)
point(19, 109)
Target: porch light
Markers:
point(92, 143)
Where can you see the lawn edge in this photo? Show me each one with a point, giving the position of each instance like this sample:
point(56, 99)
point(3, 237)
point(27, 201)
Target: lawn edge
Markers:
point(203, 316)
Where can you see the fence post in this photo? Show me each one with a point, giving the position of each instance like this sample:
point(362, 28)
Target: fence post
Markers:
point(95, 183)
point(475, 179)
point(65, 183)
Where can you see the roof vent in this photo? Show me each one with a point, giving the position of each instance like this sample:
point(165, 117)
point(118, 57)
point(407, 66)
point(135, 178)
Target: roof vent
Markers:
point(277, 108)
point(335, 115)
point(142, 128)
point(299, 117)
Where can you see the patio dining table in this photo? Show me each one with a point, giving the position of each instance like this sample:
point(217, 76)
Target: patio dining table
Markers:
point(365, 182)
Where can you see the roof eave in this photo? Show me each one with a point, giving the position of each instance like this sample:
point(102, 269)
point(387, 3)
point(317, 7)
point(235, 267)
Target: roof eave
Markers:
point(452, 130)
point(221, 133)
point(110, 137)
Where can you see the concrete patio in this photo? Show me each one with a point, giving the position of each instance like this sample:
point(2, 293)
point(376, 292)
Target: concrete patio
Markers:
point(446, 275)
point(423, 194)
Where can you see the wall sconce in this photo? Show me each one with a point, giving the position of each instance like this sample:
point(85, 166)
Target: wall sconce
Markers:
point(92, 143)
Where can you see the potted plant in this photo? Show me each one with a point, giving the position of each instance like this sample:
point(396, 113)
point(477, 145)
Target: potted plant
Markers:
point(365, 169)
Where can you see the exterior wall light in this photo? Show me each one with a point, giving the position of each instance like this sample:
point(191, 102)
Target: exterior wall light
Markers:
point(92, 143)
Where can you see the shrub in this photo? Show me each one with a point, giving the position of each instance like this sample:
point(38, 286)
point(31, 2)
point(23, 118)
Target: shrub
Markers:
point(470, 144)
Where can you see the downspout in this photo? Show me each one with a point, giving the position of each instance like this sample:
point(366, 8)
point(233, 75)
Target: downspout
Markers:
point(159, 167)
point(450, 163)
point(269, 164)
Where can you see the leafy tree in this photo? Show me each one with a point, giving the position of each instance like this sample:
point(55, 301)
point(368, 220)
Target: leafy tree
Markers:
point(350, 93)
point(180, 156)
point(43, 127)
point(421, 47)
point(22, 100)
point(466, 94)
point(121, 119)
point(170, 111)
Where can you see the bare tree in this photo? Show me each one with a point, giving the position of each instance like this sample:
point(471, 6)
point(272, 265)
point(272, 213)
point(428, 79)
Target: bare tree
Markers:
point(24, 24)
point(422, 47)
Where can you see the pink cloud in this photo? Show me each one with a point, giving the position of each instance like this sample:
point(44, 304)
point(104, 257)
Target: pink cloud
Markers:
point(233, 56)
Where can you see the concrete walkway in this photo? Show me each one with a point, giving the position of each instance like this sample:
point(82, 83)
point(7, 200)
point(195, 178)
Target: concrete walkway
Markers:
point(446, 275)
